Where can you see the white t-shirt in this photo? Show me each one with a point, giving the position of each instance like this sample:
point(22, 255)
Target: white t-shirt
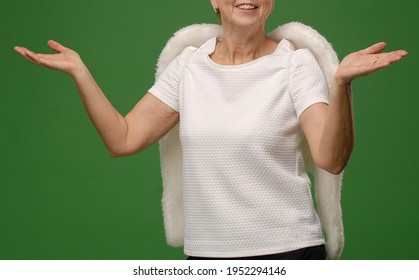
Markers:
point(246, 191)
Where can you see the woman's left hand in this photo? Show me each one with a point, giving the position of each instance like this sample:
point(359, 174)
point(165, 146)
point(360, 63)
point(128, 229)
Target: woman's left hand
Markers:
point(366, 61)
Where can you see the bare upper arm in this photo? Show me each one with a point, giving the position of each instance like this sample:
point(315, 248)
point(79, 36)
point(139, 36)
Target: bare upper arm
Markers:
point(312, 122)
point(147, 122)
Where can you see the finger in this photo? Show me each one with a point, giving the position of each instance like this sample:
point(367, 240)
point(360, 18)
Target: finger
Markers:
point(376, 48)
point(391, 57)
point(26, 54)
point(401, 52)
point(56, 46)
point(388, 59)
point(20, 50)
point(39, 59)
point(33, 57)
point(24, 50)
point(41, 55)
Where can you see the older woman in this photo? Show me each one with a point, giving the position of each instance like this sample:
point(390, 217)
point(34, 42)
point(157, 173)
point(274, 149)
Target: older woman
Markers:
point(246, 194)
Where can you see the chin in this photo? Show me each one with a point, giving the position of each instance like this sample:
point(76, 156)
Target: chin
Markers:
point(248, 20)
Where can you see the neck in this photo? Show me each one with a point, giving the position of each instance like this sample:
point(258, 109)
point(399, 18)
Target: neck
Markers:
point(242, 46)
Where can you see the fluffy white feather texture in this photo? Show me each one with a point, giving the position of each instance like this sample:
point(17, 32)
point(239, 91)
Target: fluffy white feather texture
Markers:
point(327, 186)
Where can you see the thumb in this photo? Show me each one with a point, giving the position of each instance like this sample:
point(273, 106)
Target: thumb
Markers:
point(56, 46)
point(376, 48)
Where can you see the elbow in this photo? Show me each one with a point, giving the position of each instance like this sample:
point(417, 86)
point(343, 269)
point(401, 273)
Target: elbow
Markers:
point(333, 168)
point(337, 169)
point(113, 154)
point(116, 151)
point(334, 162)
point(124, 151)
point(333, 165)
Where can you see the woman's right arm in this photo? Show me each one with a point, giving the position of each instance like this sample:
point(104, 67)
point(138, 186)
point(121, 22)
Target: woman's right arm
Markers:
point(147, 122)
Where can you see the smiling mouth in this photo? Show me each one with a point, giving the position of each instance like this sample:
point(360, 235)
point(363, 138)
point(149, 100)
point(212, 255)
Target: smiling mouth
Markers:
point(247, 7)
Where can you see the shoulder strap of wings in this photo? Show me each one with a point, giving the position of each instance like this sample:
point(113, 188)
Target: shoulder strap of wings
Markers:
point(327, 186)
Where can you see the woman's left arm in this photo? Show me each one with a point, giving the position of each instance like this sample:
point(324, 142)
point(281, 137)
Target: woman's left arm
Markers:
point(329, 128)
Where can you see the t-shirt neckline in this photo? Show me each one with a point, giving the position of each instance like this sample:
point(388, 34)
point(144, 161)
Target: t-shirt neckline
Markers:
point(210, 46)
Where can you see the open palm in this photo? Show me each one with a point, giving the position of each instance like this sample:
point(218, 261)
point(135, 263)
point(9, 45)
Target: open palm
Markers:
point(367, 61)
point(65, 60)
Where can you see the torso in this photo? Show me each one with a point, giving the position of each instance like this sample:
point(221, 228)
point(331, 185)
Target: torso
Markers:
point(245, 187)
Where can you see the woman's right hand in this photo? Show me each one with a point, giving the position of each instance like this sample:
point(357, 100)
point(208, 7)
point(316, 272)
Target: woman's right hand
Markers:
point(150, 119)
point(65, 60)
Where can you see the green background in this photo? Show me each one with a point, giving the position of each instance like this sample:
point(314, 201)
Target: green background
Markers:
point(63, 197)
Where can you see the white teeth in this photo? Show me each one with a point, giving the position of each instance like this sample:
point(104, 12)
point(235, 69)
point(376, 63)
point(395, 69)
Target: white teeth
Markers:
point(246, 7)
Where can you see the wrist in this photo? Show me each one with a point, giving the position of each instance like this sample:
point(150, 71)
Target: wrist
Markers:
point(340, 88)
point(340, 82)
point(79, 71)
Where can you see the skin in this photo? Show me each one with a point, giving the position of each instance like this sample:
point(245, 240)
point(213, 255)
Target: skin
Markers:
point(328, 128)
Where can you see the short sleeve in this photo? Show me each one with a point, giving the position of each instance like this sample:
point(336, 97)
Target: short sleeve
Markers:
point(166, 86)
point(307, 83)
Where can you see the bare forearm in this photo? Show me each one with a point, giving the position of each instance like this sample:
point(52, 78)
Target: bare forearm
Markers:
point(145, 124)
point(337, 140)
point(330, 129)
point(109, 123)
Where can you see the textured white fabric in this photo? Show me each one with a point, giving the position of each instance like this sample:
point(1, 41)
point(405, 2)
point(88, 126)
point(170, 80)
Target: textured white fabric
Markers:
point(245, 187)
point(327, 186)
